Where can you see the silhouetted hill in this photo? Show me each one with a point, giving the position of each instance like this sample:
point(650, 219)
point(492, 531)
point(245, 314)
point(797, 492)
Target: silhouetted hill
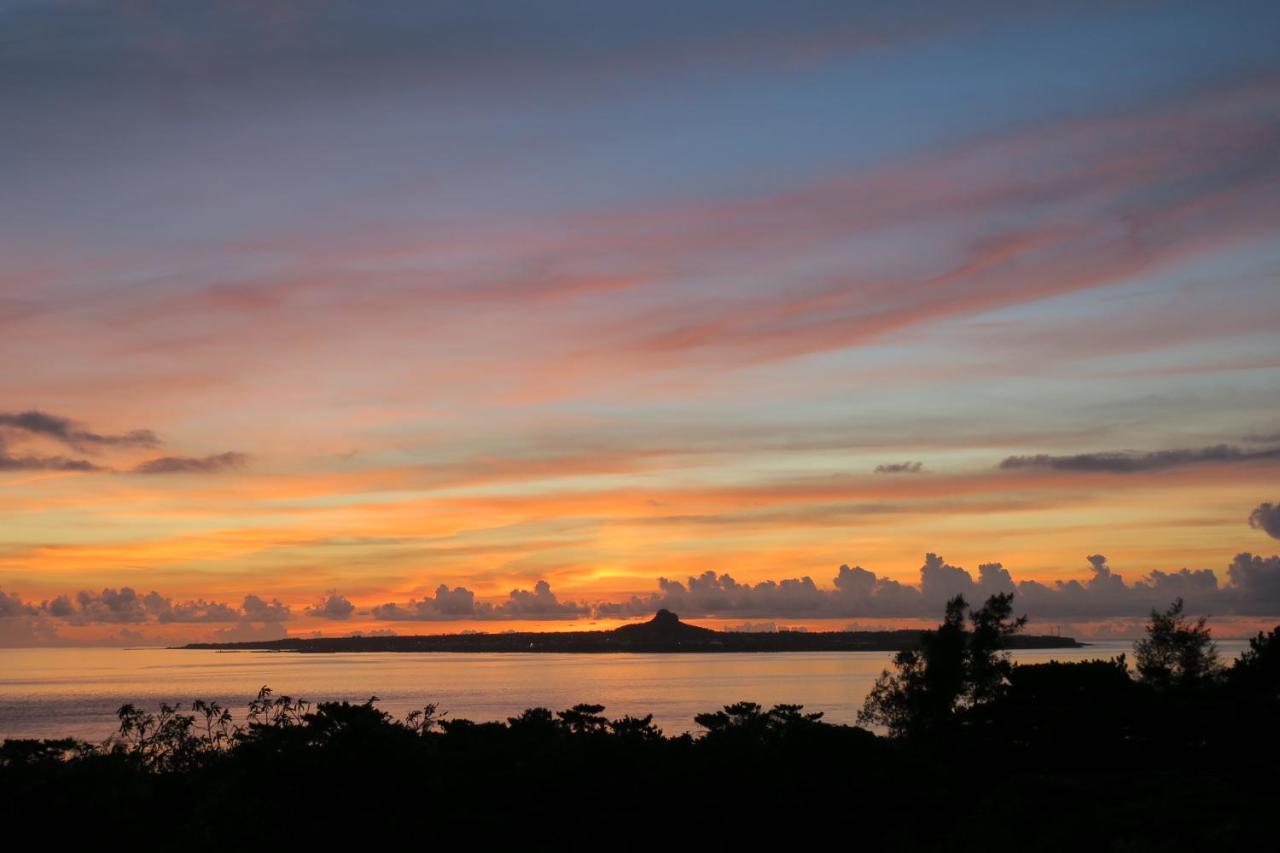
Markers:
point(664, 627)
point(664, 633)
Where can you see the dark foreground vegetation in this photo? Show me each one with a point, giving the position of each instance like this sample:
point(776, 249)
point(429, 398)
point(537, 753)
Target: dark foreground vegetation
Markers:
point(980, 755)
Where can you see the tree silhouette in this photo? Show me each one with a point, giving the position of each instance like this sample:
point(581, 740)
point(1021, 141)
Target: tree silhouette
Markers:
point(1258, 667)
point(584, 719)
point(953, 669)
point(1176, 651)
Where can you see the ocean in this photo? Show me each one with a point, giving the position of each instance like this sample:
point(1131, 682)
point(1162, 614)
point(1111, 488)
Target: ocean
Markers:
point(75, 692)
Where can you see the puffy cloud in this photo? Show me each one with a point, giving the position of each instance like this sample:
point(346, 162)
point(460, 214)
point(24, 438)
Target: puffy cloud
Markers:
point(859, 592)
point(461, 603)
point(939, 581)
point(192, 464)
point(11, 605)
point(110, 605)
point(1266, 517)
point(60, 607)
point(456, 603)
point(1129, 462)
point(256, 609)
point(332, 606)
point(541, 603)
point(994, 578)
point(710, 594)
point(900, 468)
point(1255, 584)
point(166, 610)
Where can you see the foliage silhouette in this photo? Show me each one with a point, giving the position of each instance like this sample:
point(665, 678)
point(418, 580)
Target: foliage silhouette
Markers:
point(1176, 651)
point(955, 668)
point(1259, 665)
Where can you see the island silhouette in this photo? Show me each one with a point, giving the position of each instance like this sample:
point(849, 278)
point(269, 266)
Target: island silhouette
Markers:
point(662, 634)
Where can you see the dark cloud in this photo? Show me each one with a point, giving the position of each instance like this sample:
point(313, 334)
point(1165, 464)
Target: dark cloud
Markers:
point(460, 603)
point(165, 610)
point(61, 607)
point(1129, 462)
point(332, 606)
point(65, 431)
point(10, 462)
point(110, 605)
point(192, 464)
point(540, 603)
point(1257, 580)
point(900, 468)
point(256, 609)
point(1266, 517)
point(11, 605)
point(710, 594)
point(125, 605)
point(456, 603)
point(26, 624)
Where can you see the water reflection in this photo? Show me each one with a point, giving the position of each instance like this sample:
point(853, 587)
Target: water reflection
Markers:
point(59, 692)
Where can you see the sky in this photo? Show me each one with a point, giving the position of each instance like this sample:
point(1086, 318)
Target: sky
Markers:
point(415, 316)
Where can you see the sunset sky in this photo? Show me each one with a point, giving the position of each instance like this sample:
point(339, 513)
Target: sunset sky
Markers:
point(308, 309)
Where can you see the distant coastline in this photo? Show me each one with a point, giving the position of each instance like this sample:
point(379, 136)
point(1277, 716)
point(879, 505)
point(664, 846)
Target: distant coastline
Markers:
point(663, 634)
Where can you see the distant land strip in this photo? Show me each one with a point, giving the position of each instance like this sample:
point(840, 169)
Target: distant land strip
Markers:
point(664, 634)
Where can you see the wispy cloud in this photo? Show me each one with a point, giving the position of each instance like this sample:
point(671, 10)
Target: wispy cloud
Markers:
point(900, 468)
point(192, 464)
point(65, 431)
point(1129, 461)
point(27, 462)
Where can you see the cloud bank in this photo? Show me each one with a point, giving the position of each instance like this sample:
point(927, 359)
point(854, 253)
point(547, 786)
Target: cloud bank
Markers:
point(1248, 587)
point(1252, 588)
point(126, 606)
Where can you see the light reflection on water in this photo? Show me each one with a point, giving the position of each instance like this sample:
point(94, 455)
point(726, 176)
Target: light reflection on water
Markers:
point(75, 692)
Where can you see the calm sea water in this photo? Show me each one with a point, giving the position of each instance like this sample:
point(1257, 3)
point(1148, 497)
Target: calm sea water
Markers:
point(75, 692)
